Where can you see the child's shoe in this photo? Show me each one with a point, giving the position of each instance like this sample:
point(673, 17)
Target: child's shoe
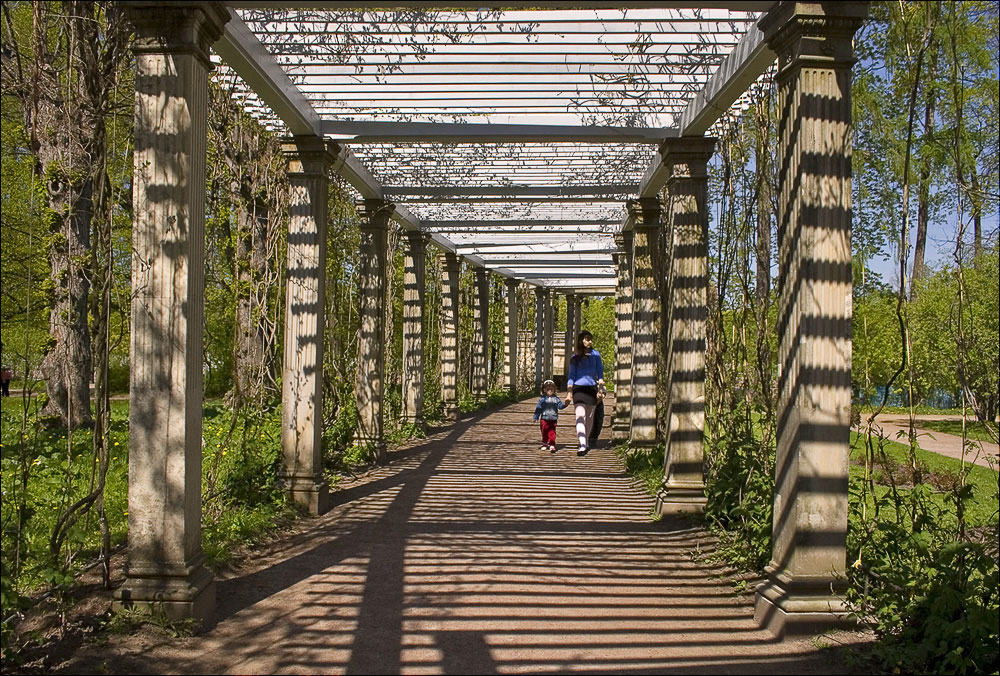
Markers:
point(582, 451)
point(552, 448)
point(544, 448)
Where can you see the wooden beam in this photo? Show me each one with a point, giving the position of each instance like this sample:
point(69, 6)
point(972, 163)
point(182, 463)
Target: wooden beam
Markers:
point(511, 190)
point(742, 67)
point(245, 54)
point(443, 132)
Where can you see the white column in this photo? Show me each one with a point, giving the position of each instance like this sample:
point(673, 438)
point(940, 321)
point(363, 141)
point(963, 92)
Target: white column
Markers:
point(550, 320)
point(414, 284)
point(166, 568)
point(309, 160)
point(622, 423)
point(645, 214)
point(569, 338)
point(541, 301)
point(481, 335)
point(510, 338)
point(808, 557)
point(369, 386)
point(451, 267)
point(683, 488)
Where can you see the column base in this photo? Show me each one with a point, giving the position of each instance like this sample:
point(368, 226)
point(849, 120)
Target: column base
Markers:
point(681, 498)
point(309, 493)
point(643, 441)
point(619, 431)
point(450, 413)
point(785, 606)
point(180, 593)
point(417, 422)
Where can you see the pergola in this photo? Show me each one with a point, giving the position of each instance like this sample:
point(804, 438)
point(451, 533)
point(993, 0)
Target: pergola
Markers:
point(548, 145)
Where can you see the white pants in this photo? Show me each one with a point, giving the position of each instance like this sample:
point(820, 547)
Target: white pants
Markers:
point(584, 423)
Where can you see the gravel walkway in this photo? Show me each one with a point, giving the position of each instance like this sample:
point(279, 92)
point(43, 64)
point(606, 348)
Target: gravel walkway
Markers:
point(473, 552)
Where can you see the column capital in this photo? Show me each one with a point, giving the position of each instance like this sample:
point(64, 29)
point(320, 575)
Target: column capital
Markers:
point(177, 27)
point(691, 152)
point(511, 282)
point(376, 213)
point(417, 238)
point(645, 212)
point(449, 258)
point(308, 156)
point(623, 240)
point(813, 33)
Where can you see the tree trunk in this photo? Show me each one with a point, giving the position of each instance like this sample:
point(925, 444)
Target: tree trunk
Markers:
point(919, 269)
point(976, 201)
point(64, 86)
point(253, 359)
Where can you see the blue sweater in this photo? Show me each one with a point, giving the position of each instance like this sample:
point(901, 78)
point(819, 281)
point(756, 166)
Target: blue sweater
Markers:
point(548, 407)
point(585, 370)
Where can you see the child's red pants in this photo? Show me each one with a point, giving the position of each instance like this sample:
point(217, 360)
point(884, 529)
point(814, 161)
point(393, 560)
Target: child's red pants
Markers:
point(549, 432)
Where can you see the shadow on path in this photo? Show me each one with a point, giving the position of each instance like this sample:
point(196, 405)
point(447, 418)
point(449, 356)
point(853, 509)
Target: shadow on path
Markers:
point(473, 552)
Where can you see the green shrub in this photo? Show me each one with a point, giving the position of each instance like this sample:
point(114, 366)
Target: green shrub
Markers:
point(929, 592)
point(739, 485)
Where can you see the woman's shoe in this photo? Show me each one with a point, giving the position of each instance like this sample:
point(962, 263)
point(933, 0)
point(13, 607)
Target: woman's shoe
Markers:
point(582, 451)
point(552, 448)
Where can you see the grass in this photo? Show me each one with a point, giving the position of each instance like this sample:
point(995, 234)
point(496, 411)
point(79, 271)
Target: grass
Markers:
point(643, 464)
point(974, 430)
point(647, 467)
point(940, 471)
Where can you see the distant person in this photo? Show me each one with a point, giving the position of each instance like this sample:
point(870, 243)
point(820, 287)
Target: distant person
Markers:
point(547, 410)
point(5, 375)
point(585, 386)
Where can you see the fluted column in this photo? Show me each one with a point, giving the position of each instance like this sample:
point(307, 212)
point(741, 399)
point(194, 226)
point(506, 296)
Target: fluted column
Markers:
point(622, 422)
point(577, 317)
point(645, 214)
point(451, 268)
point(550, 320)
point(569, 337)
point(541, 300)
point(369, 385)
point(481, 335)
point(510, 338)
point(414, 283)
point(308, 163)
point(166, 568)
point(686, 160)
point(815, 54)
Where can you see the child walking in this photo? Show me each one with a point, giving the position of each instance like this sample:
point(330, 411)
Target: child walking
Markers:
point(547, 410)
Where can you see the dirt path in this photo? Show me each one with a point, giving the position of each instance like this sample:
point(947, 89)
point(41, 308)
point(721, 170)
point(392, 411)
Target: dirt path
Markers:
point(473, 552)
point(895, 426)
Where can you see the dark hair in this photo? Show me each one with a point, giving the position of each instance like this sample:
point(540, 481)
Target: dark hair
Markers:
point(580, 349)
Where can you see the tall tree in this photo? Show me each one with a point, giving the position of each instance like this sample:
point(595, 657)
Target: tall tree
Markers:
point(62, 67)
point(918, 271)
point(248, 190)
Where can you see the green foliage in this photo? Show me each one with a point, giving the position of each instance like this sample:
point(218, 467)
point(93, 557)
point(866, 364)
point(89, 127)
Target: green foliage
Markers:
point(43, 472)
point(935, 331)
point(739, 485)
point(598, 317)
point(974, 430)
point(646, 465)
point(923, 580)
point(876, 341)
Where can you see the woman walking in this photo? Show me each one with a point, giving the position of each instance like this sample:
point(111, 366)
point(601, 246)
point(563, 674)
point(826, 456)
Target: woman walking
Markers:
point(585, 386)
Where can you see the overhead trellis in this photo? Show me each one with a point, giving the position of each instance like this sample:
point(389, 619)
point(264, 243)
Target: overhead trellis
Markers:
point(503, 126)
